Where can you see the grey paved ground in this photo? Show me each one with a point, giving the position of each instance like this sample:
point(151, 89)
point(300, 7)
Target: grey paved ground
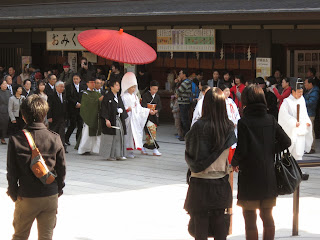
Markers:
point(142, 199)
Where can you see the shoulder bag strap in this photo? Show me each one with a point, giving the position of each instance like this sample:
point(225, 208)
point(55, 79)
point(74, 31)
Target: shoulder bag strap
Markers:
point(30, 139)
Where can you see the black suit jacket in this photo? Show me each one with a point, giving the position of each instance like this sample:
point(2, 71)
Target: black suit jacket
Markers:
point(109, 111)
point(57, 110)
point(73, 97)
point(24, 93)
point(48, 90)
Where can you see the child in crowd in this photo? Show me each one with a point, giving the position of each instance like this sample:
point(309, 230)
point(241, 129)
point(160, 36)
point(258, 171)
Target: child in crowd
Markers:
point(137, 115)
point(151, 100)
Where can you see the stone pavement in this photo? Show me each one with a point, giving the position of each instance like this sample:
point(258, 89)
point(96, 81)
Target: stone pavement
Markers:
point(142, 199)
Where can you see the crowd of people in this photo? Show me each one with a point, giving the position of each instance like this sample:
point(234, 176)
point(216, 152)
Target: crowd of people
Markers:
point(240, 126)
point(76, 101)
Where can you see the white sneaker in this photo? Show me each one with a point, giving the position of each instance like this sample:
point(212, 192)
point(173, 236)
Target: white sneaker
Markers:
point(156, 152)
point(121, 158)
point(130, 155)
point(143, 151)
point(112, 159)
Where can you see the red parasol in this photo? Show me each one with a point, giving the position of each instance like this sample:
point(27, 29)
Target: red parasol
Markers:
point(117, 46)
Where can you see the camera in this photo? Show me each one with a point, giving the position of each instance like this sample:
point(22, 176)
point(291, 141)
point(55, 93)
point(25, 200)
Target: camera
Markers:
point(85, 63)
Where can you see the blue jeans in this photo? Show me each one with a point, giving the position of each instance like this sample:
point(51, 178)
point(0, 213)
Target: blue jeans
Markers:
point(184, 116)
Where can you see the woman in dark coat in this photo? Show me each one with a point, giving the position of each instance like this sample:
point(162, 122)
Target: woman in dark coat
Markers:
point(207, 150)
point(4, 113)
point(254, 160)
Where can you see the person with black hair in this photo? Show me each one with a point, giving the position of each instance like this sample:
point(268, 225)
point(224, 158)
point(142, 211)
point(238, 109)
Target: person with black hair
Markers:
point(85, 71)
point(116, 74)
point(144, 79)
point(298, 129)
point(184, 92)
point(151, 100)
point(215, 81)
point(236, 90)
point(254, 160)
point(4, 114)
point(207, 149)
point(113, 115)
point(16, 122)
point(14, 76)
point(26, 91)
point(49, 90)
point(286, 90)
point(73, 96)
point(226, 80)
point(311, 97)
point(272, 102)
point(89, 112)
point(311, 73)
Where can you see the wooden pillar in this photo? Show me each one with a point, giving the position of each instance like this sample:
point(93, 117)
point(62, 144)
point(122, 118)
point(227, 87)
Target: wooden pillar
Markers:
point(295, 223)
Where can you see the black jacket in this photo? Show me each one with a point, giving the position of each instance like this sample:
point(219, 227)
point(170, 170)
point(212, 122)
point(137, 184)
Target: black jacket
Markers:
point(147, 98)
point(258, 133)
point(199, 155)
point(21, 180)
point(48, 90)
point(73, 97)
point(57, 110)
point(109, 111)
point(24, 93)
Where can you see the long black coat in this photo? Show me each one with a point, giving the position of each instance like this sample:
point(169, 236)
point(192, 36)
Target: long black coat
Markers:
point(258, 133)
point(109, 111)
point(73, 97)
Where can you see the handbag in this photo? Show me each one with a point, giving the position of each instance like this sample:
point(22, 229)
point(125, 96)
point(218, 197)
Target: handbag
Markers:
point(37, 165)
point(288, 173)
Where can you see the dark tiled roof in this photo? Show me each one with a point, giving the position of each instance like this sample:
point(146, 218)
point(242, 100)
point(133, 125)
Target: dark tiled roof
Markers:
point(72, 8)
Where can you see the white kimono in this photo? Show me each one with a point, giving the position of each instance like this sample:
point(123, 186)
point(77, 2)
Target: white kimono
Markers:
point(301, 137)
point(197, 113)
point(233, 115)
point(135, 121)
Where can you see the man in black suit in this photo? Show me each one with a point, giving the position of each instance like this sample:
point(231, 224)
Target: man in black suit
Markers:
point(57, 111)
point(26, 91)
point(73, 95)
point(98, 87)
point(49, 89)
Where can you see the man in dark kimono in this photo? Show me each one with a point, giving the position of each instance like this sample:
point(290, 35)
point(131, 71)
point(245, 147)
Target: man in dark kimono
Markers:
point(89, 112)
point(113, 115)
point(152, 100)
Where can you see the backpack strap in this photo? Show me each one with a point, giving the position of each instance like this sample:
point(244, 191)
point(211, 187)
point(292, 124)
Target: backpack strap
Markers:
point(30, 139)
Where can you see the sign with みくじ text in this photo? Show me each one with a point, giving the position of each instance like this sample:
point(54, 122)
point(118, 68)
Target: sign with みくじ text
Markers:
point(186, 40)
point(63, 41)
point(263, 67)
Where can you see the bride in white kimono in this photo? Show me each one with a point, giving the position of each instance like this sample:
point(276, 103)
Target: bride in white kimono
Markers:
point(300, 132)
point(137, 115)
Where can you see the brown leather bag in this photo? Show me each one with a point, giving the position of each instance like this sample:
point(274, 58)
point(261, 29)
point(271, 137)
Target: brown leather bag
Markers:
point(38, 165)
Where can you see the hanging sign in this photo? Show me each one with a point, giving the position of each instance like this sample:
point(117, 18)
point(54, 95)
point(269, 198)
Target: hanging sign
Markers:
point(63, 41)
point(186, 40)
point(72, 60)
point(263, 67)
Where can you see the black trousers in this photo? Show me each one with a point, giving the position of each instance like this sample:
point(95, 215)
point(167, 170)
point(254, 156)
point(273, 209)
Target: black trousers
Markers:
point(75, 122)
point(59, 127)
point(185, 118)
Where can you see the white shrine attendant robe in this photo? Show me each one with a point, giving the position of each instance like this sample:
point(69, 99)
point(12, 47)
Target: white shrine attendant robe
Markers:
point(301, 137)
point(233, 115)
point(135, 121)
point(197, 113)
